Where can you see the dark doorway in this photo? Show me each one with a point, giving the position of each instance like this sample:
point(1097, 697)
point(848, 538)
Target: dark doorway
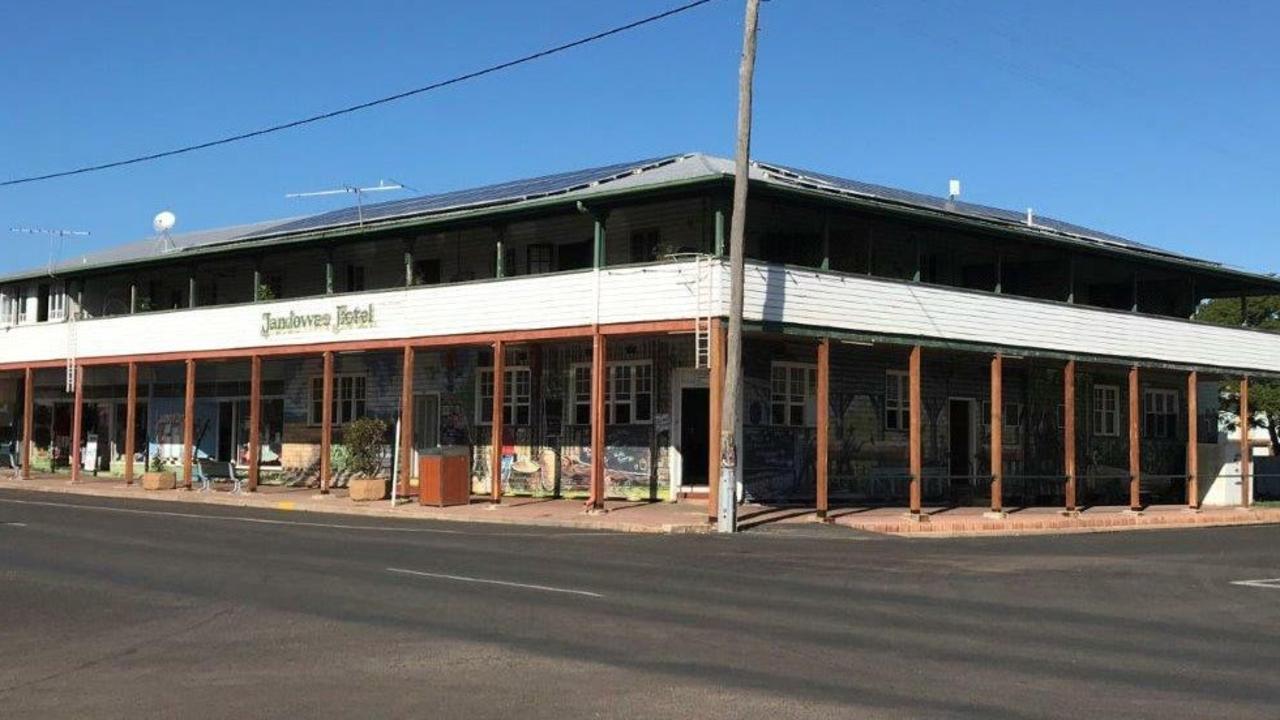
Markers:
point(960, 421)
point(695, 424)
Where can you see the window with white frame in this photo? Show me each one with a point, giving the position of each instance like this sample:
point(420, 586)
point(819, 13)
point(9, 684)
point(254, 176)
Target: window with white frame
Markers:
point(1161, 412)
point(20, 305)
point(57, 303)
point(628, 393)
point(517, 395)
point(794, 394)
point(1106, 410)
point(348, 399)
point(1011, 417)
point(897, 400)
point(7, 307)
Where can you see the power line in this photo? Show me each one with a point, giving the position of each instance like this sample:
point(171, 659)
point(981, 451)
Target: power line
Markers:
point(364, 105)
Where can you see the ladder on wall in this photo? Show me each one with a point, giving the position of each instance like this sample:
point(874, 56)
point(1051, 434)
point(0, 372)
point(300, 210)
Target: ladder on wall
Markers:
point(71, 351)
point(702, 285)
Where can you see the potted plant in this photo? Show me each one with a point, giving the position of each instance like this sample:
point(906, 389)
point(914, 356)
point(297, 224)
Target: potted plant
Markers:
point(157, 477)
point(365, 443)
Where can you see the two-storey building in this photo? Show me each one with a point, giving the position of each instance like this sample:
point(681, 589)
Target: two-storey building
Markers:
point(567, 332)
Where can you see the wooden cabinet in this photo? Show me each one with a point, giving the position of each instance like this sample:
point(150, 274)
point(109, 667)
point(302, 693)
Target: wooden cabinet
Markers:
point(444, 479)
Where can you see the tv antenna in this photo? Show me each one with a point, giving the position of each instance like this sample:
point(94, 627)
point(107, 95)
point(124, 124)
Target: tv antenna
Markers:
point(57, 240)
point(382, 186)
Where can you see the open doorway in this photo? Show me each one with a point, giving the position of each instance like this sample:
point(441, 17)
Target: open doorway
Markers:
point(963, 449)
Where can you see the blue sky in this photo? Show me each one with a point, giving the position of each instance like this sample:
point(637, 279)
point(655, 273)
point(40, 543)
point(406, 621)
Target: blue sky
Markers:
point(1153, 121)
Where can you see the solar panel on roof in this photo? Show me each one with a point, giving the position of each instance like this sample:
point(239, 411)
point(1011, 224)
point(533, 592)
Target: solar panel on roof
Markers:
point(498, 194)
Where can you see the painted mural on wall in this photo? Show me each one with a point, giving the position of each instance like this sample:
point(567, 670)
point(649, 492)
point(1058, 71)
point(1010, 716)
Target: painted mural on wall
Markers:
point(628, 462)
point(165, 428)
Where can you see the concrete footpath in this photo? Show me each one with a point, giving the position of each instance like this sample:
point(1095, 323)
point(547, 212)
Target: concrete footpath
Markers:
point(681, 517)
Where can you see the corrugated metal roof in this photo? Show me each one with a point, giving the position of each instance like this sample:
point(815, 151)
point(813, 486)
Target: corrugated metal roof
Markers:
point(618, 177)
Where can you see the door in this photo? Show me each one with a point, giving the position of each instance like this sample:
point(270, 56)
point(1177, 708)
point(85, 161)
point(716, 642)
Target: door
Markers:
point(694, 426)
point(962, 441)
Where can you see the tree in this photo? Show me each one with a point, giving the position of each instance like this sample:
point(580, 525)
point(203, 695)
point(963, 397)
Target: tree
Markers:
point(1264, 395)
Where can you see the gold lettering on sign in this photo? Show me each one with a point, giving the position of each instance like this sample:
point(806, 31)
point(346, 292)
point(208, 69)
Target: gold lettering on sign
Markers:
point(344, 318)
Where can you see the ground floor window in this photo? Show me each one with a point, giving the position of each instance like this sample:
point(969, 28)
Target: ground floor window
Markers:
point(1106, 410)
point(628, 393)
point(517, 395)
point(1160, 419)
point(349, 399)
point(793, 395)
point(897, 400)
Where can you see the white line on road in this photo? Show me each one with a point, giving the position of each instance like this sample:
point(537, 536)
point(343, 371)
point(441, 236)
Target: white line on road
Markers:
point(14, 524)
point(487, 581)
point(1268, 583)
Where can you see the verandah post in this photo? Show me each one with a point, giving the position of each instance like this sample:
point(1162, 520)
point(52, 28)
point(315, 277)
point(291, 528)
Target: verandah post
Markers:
point(188, 423)
point(915, 454)
point(1193, 442)
point(1135, 443)
point(28, 421)
point(715, 366)
point(997, 433)
point(1246, 450)
point(499, 405)
point(598, 379)
point(406, 419)
point(77, 423)
point(130, 421)
point(823, 424)
point(326, 422)
point(1069, 432)
point(255, 421)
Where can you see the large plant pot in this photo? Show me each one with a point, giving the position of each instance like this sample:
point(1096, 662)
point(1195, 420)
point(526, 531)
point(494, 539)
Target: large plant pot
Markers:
point(159, 481)
point(366, 488)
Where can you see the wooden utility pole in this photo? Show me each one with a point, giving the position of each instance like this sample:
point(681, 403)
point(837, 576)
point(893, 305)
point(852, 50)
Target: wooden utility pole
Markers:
point(729, 456)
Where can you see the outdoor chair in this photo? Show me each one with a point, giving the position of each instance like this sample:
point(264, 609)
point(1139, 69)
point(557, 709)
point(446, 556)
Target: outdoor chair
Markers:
point(206, 471)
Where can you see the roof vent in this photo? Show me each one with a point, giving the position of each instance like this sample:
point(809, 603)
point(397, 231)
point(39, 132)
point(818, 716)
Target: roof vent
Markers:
point(953, 189)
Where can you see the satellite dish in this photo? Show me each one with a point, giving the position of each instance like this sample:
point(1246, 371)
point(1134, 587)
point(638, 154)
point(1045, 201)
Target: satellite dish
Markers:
point(164, 221)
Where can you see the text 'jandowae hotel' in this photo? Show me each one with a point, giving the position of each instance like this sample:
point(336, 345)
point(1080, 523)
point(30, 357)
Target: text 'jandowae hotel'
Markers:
point(566, 333)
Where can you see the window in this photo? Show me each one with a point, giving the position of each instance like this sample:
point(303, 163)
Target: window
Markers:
point(8, 307)
point(1106, 410)
point(575, 256)
point(628, 393)
point(1160, 419)
point(57, 303)
point(897, 401)
point(355, 278)
point(645, 244)
point(426, 272)
point(348, 399)
point(539, 257)
point(517, 390)
point(793, 395)
point(1011, 417)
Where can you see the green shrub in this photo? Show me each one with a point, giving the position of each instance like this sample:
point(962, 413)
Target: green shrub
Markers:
point(365, 440)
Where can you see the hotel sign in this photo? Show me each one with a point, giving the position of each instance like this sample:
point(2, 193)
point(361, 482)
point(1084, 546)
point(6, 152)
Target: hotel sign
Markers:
point(342, 319)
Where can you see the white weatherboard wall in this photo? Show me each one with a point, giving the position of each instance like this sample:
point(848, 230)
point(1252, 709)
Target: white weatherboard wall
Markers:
point(873, 305)
point(631, 294)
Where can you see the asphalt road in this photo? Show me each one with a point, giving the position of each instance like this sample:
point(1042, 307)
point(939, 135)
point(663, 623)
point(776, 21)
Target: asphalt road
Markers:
point(141, 609)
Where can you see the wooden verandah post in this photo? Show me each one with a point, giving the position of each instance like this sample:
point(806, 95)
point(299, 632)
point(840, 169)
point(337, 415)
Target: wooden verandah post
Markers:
point(188, 423)
point(28, 421)
point(1135, 442)
point(77, 423)
point(406, 419)
point(823, 424)
point(1193, 442)
point(915, 455)
point(326, 423)
point(1246, 449)
point(499, 405)
point(599, 376)
point(130, 422)
point(997, 433)
point(255, 421)
point(1069, 433)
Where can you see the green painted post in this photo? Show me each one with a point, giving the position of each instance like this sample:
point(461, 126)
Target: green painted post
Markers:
point(328, 274)
point(191, 288)
point(826, 241)
point(599, 251)
point(719, 240)
point(500, 262)
point(257, 284)
point(408, 263)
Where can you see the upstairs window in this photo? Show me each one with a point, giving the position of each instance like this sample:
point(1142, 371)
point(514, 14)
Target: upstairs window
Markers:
point(540, 258)
point(355, 278)
point(794, 395)
point(57, 303)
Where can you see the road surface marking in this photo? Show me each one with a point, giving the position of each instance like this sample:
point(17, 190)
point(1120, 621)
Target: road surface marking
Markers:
point(487, 581)
point(1269, 583)
point(14, 524)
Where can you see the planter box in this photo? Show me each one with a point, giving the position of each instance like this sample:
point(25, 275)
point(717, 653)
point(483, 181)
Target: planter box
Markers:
point(444, 479)
point(364, 489)
point(159, 480)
